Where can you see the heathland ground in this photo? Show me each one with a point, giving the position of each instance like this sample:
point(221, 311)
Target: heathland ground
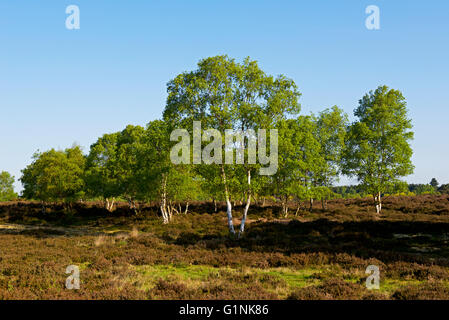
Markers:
point(313, 255)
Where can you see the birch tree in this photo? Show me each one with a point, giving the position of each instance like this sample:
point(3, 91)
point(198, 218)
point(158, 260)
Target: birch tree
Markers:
point(128, 167)
point(206, 95)
point(299, 161)
point(155, 166)
point(331, 127)
point(262, 102)
point(160, 179)
point(225, 95)
point(100, 172)
point(378, 148)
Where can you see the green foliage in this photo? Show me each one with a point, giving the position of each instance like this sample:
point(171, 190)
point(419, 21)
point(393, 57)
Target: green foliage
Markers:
point(331, 134)
point(378, 145)
point(310, 150)
point(422, 189)
point(128, 162)
point(134, 164)
point(348, 191)
point(158, 171)
point(434, 183)
point(224, 94)
point(444, 188)
point(55, 176)
point(7, 187)
point(399, 188)
point(300, 158)
point(100, 177)
point(314, 150)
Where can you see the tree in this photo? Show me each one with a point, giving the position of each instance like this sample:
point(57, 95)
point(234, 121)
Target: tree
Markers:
point(223, 94)
point(444, 188)
point(155, 166)
point(261, 102)
point(130, 165)
point(100, 173)
point(55, 176)
point(211, 183)
point(7, 187)
point(310, 159)
point(378, 145)
point(422, 189)
point(300, 160)
point(434, 183)
point(331, 133)
point(183, 186)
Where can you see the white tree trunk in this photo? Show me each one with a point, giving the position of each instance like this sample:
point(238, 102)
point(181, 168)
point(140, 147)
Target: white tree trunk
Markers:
point(378, 203)
point(285, 207)
point(170, 212)
point(173, 208)
point(311, 204)
point(228, 202)
point(164, 214)
point(248, 202)
point(164, 209)
point(110, 204)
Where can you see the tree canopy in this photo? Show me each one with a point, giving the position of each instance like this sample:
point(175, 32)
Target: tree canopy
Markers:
point(7, 187)
point(225, 95)
point(378, 148)
point(55, 175)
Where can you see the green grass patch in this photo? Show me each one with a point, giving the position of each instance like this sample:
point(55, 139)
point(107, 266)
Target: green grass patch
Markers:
point(293, 278)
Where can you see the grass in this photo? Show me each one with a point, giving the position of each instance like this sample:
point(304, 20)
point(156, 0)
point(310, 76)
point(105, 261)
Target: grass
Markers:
point(389, 286)
point(319, 255)
point(196, 276)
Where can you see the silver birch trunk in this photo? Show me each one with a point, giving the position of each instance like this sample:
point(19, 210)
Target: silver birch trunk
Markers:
point(285, 207)
point(109, 204)
point(164, 212)
point(248, 202)
point(228, 202)
point(378, 203)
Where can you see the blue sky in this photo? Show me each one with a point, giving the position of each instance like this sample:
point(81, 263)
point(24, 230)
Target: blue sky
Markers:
point(60, 86)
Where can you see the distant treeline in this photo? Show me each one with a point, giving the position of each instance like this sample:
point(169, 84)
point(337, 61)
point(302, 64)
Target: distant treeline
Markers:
point(403, 189)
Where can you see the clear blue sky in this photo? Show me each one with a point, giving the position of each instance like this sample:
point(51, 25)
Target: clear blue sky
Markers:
point(60, 86)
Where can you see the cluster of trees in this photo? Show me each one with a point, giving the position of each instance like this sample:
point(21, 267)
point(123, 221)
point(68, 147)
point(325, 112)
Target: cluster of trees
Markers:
point(432, 188)
point(313, 150)
point(55, 175)
point(7, 187)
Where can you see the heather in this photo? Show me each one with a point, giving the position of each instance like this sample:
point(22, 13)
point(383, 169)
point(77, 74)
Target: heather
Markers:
point(312, 255)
